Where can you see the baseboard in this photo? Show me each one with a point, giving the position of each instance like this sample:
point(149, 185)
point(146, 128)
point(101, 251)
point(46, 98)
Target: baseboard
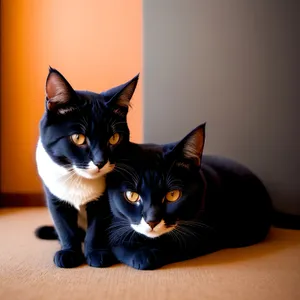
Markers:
point(19, 200)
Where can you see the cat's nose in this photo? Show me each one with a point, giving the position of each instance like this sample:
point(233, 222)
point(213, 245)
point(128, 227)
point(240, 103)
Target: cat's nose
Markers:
point(153, 224)
point(100, 164)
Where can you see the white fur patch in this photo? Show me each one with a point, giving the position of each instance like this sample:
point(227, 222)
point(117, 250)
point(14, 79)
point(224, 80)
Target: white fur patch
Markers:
point(92, 172)
point(146, 230)
point(76, 186)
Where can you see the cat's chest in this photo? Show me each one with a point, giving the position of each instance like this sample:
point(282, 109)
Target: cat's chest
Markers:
point(67, 185)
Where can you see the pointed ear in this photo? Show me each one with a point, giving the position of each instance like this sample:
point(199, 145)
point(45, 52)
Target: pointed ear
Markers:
point(58, 93)
point(191, 147)
point(118, 98)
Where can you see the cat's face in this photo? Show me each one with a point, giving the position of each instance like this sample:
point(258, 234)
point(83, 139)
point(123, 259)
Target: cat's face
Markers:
point(80, 130)
point(158, 188)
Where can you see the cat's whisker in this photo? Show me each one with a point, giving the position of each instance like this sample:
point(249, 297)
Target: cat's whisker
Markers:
point(175, 237)
point(130, 185)
point(117, 234)
point(114, 236)
point(73, 180)
point(85, 121)
point(70, 180)
point(174, 183)
point(179, 237)
point(83, 127)
point(129, 232)
point(193, 223)
point(79, 180)
point(120, 224)
point(112, 229)
point(70, 177)
point(182, 237)
point(189, 232)
point(190, 229)
point(120, 169)
point(129, 169)
point(169, 171)
point(65, 178)
point(132, 235)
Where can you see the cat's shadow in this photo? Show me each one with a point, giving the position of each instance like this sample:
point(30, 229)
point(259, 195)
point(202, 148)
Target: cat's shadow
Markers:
point(277, 241)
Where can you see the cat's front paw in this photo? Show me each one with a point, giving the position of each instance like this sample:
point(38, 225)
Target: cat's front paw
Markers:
point(100, 258)
point(146, 259)
point(68, 258)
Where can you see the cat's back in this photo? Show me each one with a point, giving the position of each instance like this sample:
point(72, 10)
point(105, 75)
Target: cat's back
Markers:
point(225, 166)
point(233, 178)
point(236, 198)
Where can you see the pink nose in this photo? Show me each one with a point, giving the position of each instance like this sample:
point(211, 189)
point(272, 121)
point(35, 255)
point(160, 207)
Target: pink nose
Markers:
point(152, 224)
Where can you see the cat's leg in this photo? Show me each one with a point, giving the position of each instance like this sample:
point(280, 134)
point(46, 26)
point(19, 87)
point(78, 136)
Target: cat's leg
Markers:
point(97, 251)
point(65, 221)
point(142, 258)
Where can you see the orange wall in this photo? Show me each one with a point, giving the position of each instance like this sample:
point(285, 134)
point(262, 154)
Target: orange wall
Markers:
point(95, 44)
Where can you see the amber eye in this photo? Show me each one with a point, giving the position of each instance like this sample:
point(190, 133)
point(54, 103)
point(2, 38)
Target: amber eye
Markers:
point(114, 139)
point(78, 139)
point(132, 196)
point(173, 195)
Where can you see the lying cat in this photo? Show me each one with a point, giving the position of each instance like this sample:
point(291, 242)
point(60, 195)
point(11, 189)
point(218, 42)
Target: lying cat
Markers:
point(171, 204)
point(78, 134)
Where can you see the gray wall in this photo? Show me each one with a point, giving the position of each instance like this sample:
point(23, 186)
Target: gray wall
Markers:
point(235, 65)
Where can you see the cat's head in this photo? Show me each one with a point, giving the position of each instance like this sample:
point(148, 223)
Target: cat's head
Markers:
point(80, 129)
point(157, 188)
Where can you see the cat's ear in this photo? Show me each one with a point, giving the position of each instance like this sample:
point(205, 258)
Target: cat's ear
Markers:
point(190, 148)
point(59, 93)
point(118, 98)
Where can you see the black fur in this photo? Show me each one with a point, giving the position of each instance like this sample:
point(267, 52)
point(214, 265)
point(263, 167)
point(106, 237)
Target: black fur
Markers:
point(223, 204)
point(98, 117)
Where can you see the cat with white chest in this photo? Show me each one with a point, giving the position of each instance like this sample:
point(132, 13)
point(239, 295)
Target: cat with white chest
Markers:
point(79, 133)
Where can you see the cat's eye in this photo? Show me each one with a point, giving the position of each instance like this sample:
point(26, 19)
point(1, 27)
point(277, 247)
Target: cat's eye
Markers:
point(78, 139)
point(132, 196)
point(114, 139)
point(173, 195)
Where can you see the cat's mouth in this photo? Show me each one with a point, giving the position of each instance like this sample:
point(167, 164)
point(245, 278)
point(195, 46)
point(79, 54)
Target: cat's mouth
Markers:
point(153, 232)
point(92, 171)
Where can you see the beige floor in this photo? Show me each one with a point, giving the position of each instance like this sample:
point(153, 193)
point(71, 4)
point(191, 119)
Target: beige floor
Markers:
point(270, 270)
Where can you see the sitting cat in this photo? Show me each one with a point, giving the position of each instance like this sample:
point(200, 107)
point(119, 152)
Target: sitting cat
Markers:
point(171, 204)
point(78, 133)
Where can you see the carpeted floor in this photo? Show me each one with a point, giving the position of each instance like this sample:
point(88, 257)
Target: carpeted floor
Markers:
point(270, 270)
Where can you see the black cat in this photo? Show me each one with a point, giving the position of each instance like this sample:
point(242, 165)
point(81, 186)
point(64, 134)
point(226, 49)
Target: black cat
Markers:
point(170, 203)
point(78, 134)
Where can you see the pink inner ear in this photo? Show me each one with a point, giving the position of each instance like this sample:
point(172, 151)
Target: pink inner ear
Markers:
point(52, 82)
point(56, 89)
point(193, 147)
